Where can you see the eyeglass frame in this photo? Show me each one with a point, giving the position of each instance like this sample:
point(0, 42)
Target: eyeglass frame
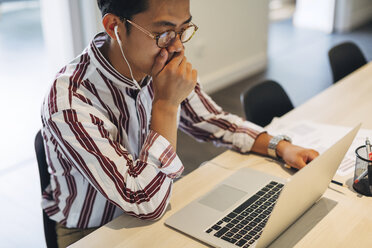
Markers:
point(157, 36)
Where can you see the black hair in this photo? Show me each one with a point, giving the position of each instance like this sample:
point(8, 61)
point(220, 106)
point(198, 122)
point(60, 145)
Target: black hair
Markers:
point(124, 9)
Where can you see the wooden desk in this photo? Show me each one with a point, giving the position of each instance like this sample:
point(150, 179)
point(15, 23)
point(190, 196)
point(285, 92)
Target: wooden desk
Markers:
point(341, 219)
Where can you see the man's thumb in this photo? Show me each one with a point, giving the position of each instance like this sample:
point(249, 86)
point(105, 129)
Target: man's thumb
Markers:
point(160, 61)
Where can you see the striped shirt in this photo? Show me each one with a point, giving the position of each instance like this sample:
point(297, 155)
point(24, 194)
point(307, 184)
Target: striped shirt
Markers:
point(103, 158)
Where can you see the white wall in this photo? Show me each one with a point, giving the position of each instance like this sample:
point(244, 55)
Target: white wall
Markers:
point(57, 31)
point(315, 14)
point(351, 14)
point(231, 42)
point(332, 15)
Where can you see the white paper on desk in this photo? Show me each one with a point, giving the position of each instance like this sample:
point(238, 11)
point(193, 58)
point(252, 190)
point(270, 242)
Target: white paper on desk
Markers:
point(320, 137)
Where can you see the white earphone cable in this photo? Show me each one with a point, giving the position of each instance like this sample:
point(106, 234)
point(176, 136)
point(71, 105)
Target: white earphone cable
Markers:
point(122, 52)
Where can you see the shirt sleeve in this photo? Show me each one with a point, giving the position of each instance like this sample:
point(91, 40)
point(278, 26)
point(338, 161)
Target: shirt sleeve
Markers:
point(203, 119)
point(140, 187)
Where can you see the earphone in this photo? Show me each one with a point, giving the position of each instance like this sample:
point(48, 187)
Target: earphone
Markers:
point(122, 52)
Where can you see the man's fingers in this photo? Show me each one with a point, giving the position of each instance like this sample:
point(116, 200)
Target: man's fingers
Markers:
point(160, 61)
point(313, 154)
point(183, 66)
point(177, 59)
point(194, 76)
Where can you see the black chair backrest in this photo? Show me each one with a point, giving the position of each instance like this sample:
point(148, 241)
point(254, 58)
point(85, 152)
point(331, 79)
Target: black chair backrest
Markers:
point(49, 225)
point(264, 101)
point(344, 59)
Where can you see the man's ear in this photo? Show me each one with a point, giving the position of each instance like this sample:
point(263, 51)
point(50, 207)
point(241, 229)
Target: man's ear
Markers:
point(109, 21)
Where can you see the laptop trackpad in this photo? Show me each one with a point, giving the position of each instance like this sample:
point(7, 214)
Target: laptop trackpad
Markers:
point(222, 197)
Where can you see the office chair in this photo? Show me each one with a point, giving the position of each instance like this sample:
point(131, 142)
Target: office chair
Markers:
point(344, 59)
point(49, 225)
point(264, 101)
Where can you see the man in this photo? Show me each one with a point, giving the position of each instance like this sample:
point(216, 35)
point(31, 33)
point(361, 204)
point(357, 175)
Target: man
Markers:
point(110, 119)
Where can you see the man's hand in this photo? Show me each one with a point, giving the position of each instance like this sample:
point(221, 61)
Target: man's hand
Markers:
point(295, 156)
point(174, 81)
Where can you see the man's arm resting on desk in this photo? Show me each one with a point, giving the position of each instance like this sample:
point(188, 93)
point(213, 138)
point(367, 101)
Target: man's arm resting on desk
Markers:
point(294, 156)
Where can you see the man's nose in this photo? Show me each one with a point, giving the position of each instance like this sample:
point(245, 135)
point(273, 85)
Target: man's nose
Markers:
point(175, 45)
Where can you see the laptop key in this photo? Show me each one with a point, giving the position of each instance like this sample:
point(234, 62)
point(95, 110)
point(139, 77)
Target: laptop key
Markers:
point(272, 200)
point(266, 212)
point(233, 240)
point(231, 215)
point(265, 189)
point(262, 216)
point(229, 225)
point(220, 222)
point(234, 221)
point(234, 230)
point(246, 204)
point(209, 230)
point(239, 226)
point(221, 232)
point(253, 214)
point(248, 218)
point(247, 237)
point(216, 227)
point(241, 242)
point(252, 223)
point(263, 207)
point(248, 228)
point(226, 219)
point(257, 229)
point(240, 217)
point(258, 220)
point(226, 238)
point(261, 225)
point(258, 210)
point(252, 233)
point(260, 193)
point(238, 236)
point(243, 232)
point(244, 222)
point(229, 234)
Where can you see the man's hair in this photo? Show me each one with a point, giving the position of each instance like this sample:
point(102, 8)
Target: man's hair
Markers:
point(124, 9)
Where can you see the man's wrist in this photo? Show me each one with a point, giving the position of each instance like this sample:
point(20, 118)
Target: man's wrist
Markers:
point(276, 145)
point(164, 107)
point(281, 147)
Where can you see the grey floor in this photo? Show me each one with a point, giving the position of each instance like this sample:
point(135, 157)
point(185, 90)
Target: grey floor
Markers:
point(297, 59)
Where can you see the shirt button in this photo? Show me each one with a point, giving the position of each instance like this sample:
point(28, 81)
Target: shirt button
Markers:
point(130, 157)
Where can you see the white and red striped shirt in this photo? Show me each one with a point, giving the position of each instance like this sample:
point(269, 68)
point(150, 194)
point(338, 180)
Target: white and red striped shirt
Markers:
point(103, 158)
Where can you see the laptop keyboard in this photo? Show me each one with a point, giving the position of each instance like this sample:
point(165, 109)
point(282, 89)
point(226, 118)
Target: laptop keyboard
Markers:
point(244, 225)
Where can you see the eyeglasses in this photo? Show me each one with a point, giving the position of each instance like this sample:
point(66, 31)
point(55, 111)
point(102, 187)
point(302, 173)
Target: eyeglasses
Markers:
point(164, 39)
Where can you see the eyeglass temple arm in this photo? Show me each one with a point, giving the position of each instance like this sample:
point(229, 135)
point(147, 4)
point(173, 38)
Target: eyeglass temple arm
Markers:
point(142, 29)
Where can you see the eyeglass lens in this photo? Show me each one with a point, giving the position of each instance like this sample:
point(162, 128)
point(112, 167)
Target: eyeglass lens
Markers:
point(166, 37)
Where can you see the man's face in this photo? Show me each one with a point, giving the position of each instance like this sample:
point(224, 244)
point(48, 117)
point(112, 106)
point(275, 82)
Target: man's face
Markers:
point(162, 15)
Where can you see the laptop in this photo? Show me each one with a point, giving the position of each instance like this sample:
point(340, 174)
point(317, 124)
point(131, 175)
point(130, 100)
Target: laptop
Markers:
point(252, 208)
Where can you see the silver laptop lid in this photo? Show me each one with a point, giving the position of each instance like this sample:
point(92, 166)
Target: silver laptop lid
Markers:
point(305, 188)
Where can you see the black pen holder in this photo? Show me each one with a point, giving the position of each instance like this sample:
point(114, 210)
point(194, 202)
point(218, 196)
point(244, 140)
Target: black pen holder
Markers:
point(363, 185)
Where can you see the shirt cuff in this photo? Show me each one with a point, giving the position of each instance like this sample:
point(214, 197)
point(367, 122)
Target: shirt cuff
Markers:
point(158, 151)
point(246, 135)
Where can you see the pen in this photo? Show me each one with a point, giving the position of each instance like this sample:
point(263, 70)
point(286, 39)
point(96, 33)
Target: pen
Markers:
point(361, 176)
point(369, 155)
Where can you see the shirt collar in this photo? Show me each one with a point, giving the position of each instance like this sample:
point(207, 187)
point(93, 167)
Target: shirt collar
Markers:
point(106, 68)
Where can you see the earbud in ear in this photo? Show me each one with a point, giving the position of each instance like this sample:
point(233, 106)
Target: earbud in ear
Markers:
point(116, 31)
